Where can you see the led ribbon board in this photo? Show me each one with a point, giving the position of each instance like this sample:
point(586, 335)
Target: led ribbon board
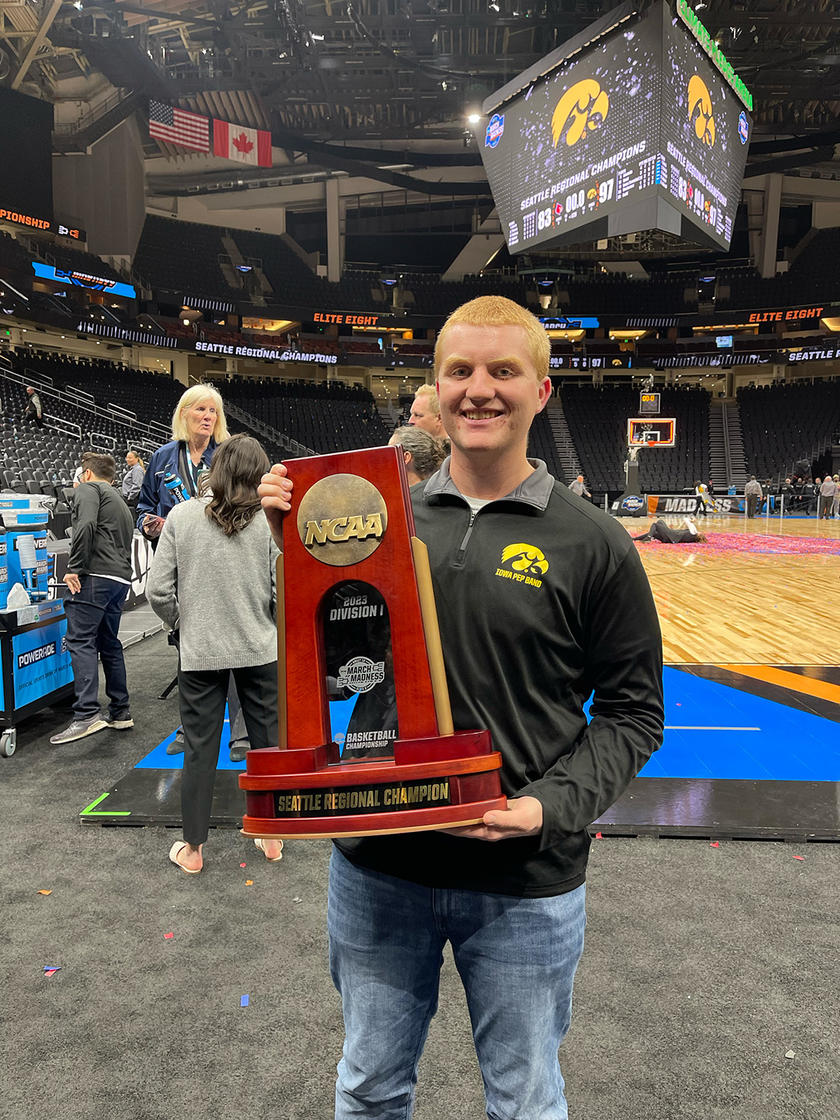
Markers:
point(83, 280)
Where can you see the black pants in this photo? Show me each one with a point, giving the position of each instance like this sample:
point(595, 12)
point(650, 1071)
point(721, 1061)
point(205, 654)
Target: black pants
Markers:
point(202, 699)
point(93, 623)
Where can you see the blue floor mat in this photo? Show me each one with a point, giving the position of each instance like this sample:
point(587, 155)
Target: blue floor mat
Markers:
point(712, 731)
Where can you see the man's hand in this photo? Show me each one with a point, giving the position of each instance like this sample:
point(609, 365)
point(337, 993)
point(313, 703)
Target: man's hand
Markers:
point(522, 817)
point(152, 525)
point(275, 491)
point(73, 582)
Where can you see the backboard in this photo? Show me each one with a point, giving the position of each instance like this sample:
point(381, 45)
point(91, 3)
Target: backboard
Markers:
point(647, 431)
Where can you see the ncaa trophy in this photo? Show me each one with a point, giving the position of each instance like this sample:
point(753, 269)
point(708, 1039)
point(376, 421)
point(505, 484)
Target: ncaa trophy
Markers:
point(366, 738)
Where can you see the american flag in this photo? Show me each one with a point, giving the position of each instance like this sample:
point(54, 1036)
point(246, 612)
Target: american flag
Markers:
point(174, 126)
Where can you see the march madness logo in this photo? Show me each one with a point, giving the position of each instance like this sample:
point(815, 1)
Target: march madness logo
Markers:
point(580, 110)
point(495, 130)
point(360, 674)
point(700, 110)
point(523, 563)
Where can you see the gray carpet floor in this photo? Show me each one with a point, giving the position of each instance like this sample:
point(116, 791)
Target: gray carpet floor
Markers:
point(704, 967)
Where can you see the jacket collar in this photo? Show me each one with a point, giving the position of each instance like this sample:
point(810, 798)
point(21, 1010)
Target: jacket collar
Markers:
point(535, 490)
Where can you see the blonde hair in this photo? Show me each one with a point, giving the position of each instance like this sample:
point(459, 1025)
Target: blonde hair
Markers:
point(499, 311)
point(427, 394)
point(193, 396)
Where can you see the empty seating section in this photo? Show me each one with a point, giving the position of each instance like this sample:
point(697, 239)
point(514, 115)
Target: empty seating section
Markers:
point(150, 396)
point(597, 419)
point(432, 296)
point(541, 445)
point(783, 424)
point(34, 460)
point(74, 260)
point(608, 293)
point(17, 256)
point(324, 417)
point(813, 272)
point(287, 274)
point(13, 256)
point(182, 257)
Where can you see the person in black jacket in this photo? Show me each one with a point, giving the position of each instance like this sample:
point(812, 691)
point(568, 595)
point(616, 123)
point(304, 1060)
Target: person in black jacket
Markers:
point(661, 531)
point(98, 577)
point(542, 601)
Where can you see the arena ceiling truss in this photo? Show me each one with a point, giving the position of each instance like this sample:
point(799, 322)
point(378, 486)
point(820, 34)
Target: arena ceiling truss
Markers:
point(334, 79)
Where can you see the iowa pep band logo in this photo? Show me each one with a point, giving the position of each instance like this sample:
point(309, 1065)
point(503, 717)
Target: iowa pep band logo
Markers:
point(580, 110)
point(700, 110)
point(523, 563)
point(342, 519)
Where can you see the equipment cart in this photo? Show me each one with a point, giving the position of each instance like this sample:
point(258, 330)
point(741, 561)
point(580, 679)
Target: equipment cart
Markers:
point(35, 669)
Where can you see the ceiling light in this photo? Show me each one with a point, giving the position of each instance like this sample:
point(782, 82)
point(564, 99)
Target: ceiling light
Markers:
point(473, 118)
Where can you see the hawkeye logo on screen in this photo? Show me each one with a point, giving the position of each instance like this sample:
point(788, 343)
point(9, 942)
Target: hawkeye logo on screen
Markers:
point(523, 563)
point(580, 110)
point(700, 110)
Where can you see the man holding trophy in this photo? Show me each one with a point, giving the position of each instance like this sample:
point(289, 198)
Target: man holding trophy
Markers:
point(541, 601)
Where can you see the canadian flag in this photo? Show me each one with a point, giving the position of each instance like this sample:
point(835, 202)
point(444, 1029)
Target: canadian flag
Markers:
point(246, 145)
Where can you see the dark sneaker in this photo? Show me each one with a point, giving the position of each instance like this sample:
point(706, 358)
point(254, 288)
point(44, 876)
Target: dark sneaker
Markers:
point(78, 729)
point(177, 744)
point(122, 722)
point(238, 750)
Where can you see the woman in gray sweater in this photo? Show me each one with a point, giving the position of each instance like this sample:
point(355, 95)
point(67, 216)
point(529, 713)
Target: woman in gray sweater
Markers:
point(213, 580)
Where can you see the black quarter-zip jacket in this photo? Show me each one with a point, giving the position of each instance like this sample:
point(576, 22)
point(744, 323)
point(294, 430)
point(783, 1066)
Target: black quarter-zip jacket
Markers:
point(542, 602)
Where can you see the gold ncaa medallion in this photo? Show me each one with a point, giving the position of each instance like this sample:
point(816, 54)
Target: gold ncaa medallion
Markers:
point(342, 519)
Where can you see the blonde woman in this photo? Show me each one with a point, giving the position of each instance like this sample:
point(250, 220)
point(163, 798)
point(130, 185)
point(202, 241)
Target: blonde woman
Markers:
point(198, 427)
point(172, 477)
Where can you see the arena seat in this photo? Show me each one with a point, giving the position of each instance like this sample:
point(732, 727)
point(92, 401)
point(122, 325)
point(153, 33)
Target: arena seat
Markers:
point(785, 423)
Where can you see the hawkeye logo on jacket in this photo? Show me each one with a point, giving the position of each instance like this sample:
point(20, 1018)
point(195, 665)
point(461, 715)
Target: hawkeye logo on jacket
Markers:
point(523, 563)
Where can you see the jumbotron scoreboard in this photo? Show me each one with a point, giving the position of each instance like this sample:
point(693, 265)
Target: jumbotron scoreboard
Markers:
point(638, 123)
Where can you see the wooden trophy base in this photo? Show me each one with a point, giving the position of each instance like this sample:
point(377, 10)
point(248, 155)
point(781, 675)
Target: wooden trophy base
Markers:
point(307, 794)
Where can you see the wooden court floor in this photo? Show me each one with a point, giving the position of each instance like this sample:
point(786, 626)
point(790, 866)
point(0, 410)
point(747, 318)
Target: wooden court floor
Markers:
point(718, 606)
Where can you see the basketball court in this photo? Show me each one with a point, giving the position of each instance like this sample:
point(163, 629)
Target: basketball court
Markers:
point(749, 620)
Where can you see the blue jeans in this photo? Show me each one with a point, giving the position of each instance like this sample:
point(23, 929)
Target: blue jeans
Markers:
point(93, 623)
point(516, 957)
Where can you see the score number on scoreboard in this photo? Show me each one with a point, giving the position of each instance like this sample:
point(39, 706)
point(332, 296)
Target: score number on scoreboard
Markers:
point(645, 430)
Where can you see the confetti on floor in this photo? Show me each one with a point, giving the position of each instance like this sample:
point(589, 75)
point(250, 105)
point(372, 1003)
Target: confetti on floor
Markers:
point(245, 1001)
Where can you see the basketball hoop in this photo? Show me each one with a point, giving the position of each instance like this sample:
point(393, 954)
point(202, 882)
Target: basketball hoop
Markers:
point(651, 443)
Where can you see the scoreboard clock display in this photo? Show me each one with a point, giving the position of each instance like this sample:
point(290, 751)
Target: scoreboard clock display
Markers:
point(627, 127)
point(649, 404)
